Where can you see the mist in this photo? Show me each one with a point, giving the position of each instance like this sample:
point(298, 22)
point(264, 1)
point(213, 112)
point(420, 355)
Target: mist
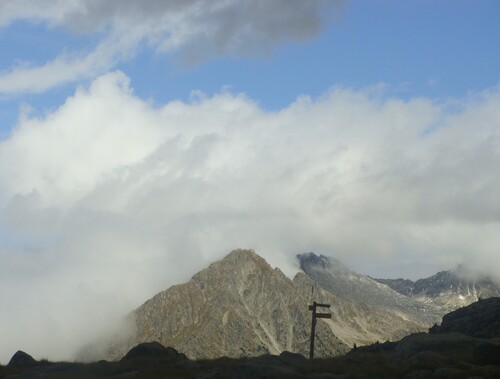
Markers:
point(109, 199)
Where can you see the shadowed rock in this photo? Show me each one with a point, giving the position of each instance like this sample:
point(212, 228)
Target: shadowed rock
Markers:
point(480, 319)
point(487, 354)
point(152, 350)
point(21, 359)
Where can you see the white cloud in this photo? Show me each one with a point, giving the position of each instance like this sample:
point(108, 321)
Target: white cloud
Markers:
point(197, 29)
point(109, 199)
point(67, 68)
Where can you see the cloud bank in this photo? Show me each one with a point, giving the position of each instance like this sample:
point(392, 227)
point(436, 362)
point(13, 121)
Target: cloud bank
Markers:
point(109, 199)
point(195, 29)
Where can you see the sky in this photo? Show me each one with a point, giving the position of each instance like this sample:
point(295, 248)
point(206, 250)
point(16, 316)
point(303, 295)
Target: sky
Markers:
point(142, 140)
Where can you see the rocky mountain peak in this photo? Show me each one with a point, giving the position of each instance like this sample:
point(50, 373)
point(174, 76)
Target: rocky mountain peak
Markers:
point(448, 289)
point(242, 273)
point(244, 259)
point(311, 261)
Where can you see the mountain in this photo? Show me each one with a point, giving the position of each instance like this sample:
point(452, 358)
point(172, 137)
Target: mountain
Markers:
point(447, 290)
point(237, 307)
point(241, 306)
point(331, 275)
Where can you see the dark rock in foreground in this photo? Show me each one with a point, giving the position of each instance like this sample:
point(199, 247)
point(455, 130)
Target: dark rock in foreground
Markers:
point(446, 355)
point(21, 359)
point(152, 350)
point(480, 319)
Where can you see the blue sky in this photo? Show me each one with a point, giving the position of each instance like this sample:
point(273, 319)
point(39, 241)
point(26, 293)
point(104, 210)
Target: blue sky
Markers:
point(417, 48)
point(142, 140)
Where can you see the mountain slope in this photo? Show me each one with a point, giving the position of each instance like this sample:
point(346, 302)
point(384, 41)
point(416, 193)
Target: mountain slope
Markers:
point(334, 277)
point(356, 323)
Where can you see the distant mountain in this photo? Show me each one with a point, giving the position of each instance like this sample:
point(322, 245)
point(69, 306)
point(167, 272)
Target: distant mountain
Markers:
point(447, 290)
point(334, 277)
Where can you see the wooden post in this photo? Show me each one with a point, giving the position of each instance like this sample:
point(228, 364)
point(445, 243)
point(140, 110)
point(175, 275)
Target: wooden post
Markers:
point(316, 315)
point(313, 331)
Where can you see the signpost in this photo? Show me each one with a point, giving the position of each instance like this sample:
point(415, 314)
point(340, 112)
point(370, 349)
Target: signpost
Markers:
point(316, 315)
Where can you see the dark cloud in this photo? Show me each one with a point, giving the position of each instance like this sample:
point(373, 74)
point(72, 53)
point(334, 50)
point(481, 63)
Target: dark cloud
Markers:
point(195, 29)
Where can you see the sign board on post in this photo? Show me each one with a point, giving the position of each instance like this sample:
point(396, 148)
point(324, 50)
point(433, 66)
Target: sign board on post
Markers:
point(323, 315)
point(315, 316)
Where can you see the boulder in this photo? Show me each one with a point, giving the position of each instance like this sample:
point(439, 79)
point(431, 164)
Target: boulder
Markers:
point(21, 359)
point(152, 350)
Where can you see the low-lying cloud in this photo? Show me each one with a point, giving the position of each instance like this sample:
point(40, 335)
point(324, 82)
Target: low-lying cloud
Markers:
point(109, 199)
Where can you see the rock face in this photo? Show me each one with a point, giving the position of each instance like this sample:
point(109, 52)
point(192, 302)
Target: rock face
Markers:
point(357, 323)
point(239, 306)
point(331, 275)
point(480, 319)
point(447, 290)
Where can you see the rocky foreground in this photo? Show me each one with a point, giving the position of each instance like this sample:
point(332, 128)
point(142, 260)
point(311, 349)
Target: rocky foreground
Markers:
point(465, 345)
